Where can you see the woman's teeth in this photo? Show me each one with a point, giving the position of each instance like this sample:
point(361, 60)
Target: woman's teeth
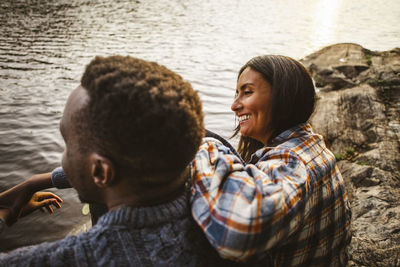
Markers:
point(244, 117)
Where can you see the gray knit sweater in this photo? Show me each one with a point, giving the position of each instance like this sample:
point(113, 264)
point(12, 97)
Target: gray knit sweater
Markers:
point(163, 235)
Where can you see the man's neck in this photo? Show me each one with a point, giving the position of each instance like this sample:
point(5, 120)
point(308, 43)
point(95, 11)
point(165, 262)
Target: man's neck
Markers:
point(126, 194)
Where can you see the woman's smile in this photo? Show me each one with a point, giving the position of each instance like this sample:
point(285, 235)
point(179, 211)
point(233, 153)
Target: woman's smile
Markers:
point(244, 118)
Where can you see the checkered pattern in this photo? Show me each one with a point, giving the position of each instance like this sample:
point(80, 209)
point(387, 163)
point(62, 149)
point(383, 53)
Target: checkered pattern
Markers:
point(287, 207)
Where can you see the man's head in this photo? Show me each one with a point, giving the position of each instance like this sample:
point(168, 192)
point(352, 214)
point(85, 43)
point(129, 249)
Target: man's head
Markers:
point(129, 119)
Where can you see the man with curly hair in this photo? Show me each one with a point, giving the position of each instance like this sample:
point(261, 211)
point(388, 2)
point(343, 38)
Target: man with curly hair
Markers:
point(130, 130)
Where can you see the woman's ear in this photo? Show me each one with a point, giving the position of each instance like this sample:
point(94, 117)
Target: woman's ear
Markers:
point(102, 170)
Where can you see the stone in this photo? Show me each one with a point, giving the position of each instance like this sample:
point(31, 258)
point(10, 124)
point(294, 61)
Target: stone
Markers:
point(345, 65)
point(358, 113)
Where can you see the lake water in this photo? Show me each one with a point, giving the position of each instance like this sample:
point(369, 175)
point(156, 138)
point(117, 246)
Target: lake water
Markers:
point(44, 46)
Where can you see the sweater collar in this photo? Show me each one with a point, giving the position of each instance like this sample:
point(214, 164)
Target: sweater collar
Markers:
point(139, 217)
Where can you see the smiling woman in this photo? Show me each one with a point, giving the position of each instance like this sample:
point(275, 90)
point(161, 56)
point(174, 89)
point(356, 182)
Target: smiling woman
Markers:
point(285, 203)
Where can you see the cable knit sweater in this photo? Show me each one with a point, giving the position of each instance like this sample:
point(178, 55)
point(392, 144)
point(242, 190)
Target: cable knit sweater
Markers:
point(163, 235)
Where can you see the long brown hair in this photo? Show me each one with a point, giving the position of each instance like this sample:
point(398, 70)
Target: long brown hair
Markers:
point(293, 97)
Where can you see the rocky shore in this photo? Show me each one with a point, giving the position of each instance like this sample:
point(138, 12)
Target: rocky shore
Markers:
point(358, 112)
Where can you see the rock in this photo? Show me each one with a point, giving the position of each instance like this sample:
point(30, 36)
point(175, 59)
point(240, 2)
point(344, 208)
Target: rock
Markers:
point(358, 112)
point(345, 65)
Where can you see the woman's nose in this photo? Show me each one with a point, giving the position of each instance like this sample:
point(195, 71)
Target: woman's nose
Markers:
point(236, 104)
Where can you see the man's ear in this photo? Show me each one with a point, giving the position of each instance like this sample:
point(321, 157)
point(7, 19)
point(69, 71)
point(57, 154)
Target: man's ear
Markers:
point(102, 170)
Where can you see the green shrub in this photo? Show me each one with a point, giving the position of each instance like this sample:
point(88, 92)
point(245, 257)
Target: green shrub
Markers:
point(350, 151)
point(339, 156)
point(368, 58)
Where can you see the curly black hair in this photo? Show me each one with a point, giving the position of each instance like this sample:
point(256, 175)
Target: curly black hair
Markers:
point(141, 115)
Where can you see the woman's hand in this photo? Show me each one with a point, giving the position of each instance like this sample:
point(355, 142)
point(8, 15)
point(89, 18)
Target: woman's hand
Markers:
point(41, 200)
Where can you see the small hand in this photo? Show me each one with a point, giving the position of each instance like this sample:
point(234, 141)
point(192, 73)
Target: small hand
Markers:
point(41, 200)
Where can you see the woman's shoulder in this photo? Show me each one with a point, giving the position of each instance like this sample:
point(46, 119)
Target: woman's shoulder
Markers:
point(300, 142)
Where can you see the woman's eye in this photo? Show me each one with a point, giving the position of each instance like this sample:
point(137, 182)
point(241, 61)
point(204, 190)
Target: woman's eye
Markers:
point(248, 92)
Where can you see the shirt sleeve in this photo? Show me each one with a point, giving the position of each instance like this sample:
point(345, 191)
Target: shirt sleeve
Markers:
point(59, 179)
point(246, 209)
point(2, 226)
point(224, 142)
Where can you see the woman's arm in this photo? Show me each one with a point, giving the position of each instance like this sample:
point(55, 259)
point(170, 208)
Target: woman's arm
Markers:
point(246, 209)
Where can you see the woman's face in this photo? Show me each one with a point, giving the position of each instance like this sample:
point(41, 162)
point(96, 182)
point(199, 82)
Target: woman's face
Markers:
point(252, 105)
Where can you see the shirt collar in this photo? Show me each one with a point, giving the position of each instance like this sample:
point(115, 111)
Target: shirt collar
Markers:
point(294, 132)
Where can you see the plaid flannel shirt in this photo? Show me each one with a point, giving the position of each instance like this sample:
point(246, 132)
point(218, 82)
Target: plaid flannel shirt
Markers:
point(287, 207)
